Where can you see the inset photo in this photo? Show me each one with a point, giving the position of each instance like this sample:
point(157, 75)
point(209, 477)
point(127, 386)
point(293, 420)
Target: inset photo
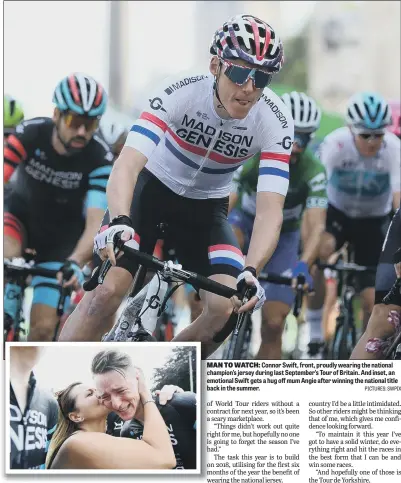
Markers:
point(104, 408)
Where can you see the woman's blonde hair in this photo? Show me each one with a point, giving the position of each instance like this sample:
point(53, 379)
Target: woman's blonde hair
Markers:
point(65, 427)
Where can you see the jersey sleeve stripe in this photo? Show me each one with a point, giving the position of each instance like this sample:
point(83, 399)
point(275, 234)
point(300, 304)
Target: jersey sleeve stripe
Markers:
point(155, 120)
point(102, 171)
point(96, 199)
point(145, 132)
point(8, 171)
point(102, 183)
point(11, 157)
point(285, 158)
point(273, 184)
point(18, 146)
point(274, 171)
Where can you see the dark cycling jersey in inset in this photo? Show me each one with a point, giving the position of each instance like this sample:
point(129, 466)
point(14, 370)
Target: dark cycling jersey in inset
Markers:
point(30, 432)
point(179, 415)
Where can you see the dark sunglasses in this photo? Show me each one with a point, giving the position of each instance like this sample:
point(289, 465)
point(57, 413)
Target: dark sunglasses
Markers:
point(240, 74)
point(371, 136)
point(302, 139)
point(75, 121)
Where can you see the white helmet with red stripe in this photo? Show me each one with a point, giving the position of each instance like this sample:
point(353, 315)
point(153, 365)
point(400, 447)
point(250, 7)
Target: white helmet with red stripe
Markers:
point(248, 38)
point(81, 94)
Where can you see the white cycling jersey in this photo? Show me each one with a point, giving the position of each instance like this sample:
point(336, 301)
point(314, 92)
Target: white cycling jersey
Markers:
point(359, 186)
point(195, 152)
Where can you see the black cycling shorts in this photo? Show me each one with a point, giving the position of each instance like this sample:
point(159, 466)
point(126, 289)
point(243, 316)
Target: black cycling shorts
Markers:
point(386, 275)
point(198, 230)
point(52, 239)
point(366, 235)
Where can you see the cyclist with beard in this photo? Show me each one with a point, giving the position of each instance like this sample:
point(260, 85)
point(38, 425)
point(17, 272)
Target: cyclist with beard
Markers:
point(306, 196)
point(58, 203)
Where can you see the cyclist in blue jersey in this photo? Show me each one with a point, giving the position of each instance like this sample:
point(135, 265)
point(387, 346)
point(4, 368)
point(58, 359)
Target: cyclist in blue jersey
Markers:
point(58, 200)
point(176, 167)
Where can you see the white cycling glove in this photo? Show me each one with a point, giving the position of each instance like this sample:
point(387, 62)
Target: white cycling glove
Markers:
point(117, 225)
point(257, 289)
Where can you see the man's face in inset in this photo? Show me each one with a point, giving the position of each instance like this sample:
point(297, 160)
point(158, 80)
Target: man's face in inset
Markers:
point(118, 391)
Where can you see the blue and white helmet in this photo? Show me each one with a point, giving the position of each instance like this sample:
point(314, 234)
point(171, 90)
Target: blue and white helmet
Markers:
point(368, 110)
point(81, 94)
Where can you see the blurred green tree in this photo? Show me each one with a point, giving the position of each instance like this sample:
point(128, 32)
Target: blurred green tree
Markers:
point(295, 69)
point(176, 371)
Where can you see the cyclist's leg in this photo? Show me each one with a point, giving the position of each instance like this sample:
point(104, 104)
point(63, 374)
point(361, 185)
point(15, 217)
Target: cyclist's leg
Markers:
point(13, 236)
point(378, 327)
point(332, 239)
point(279, 298)
point(94, 315)
point(43, 316)
point(211, 250)
point(13, 247)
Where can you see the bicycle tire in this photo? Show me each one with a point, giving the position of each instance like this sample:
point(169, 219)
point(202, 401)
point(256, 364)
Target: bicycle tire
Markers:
point(241, 348)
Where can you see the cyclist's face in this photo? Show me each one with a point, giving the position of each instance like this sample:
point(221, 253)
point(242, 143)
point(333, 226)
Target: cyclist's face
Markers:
point(368, 147)
point(74, 130)
point(88, 406)
point(119, 393)
point(237, 100)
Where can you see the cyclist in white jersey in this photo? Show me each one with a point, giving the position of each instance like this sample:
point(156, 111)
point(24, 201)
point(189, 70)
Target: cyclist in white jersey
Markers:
point(362, 162)
point(176, 167)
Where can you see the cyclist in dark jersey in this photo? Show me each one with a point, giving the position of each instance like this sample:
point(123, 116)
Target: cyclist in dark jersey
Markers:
point(33, 412)
point(58, 201)
point(387, 296)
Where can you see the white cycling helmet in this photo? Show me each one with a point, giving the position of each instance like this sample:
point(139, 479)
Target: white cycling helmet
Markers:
point(305, 112)
point(112, 131)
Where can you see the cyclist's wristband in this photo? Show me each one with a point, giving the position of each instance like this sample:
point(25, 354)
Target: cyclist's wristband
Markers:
point(149, 400)
point(121, 220)
point(250, 269)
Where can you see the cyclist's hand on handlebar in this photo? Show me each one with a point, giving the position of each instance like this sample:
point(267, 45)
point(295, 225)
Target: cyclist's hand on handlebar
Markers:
point(247, 278)
point(104, 241)
point(71, 275)
point(302, 267)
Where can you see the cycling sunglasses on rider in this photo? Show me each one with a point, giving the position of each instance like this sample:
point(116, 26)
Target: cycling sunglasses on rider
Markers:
point(302, 138)
point(367, 135)
point(75, 121)
point(239, 74)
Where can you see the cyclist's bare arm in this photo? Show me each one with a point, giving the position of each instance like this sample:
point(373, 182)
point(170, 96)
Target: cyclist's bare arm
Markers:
point(83, 251)
point(122, 181)
point(315, 218)
point(91, 450)
point(266, 229)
